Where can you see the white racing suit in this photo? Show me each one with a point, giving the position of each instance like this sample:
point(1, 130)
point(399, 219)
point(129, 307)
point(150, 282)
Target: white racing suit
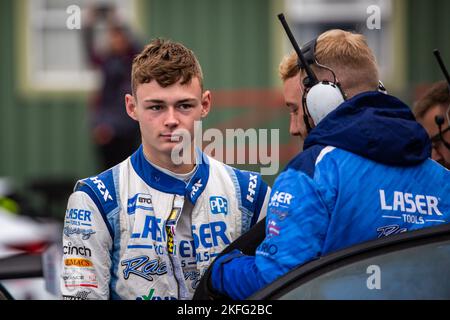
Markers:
point(120, 236)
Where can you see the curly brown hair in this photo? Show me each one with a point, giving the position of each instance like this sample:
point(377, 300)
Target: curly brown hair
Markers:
point(166, 62)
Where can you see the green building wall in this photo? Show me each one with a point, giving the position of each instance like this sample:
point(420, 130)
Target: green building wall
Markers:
point(237, 43)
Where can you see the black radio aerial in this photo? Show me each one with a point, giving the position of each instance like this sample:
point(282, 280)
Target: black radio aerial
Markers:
point(312, 77)
point(440, 119)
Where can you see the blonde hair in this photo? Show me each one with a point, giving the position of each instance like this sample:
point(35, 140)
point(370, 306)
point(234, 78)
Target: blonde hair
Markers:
point(288, 67)
point(347, 54)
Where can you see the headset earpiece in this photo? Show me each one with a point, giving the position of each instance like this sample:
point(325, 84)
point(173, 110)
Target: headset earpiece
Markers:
point(323, 98)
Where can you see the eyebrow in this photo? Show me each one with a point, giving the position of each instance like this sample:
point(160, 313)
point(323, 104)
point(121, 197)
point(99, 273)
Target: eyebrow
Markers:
point(187, 100)
point(154, 100)
point(177, 102)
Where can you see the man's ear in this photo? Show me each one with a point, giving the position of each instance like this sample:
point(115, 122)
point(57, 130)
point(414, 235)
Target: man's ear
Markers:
point(131, 105)
point(206, 103)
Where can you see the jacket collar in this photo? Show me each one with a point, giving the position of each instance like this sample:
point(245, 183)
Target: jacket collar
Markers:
point(168, 184)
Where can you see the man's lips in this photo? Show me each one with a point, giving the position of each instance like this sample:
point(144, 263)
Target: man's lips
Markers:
point(171, 136)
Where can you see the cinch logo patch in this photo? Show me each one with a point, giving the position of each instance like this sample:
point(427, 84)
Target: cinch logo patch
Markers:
point(218, 205)
point(407, 202)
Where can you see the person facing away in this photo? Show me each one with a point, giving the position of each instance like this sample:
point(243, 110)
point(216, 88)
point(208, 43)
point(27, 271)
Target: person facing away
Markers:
point(436, 103)
point(114, 134)
point(148, 228)
point(364, 173)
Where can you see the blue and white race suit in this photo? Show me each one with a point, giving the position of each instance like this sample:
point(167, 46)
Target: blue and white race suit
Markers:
point(121, 238)
point(365, 173)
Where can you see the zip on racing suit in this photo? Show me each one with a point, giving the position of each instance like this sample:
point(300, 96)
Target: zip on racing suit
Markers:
point(123, 236)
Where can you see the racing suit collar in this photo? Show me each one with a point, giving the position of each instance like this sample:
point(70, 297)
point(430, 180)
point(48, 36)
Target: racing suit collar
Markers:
point(168, 184)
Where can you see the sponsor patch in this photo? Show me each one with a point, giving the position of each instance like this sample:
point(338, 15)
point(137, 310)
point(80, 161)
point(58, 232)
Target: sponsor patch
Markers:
point(390, 230)
point(151, 296)
point(77, 262)
point(272, 229)
point(80, 295)
point(75, 277)
point(69, 249)
point(143, 267)
point(281, 199)
point(218, 205)
point(85, 233)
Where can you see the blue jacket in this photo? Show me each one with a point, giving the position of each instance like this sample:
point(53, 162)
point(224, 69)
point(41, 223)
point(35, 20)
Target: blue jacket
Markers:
point(364, 173)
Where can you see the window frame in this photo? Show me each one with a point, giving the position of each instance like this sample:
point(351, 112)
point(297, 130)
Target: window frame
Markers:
point(31, 80)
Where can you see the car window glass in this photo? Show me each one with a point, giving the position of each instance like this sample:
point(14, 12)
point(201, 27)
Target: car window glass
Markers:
point(420, 272)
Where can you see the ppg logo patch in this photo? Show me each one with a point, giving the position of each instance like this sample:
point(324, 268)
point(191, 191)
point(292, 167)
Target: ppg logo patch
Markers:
point(218, 205)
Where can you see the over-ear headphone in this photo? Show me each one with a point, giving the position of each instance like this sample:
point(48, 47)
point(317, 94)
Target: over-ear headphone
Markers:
point(319, 97)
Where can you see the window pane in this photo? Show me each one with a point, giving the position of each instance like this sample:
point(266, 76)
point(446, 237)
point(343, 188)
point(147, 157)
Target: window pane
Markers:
point(421, 272)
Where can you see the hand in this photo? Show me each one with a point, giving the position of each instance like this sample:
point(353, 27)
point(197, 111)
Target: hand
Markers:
point(215, 281)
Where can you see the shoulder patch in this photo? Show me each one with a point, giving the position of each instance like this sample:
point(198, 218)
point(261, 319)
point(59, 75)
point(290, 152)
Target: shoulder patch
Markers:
point(252, 190)
point(102, 190)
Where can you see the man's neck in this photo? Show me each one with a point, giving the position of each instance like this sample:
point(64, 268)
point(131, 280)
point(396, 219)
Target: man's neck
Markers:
point(165, 161)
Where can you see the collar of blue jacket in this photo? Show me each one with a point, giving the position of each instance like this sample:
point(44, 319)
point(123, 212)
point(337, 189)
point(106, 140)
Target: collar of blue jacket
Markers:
point(168, 184)
point(375, 126)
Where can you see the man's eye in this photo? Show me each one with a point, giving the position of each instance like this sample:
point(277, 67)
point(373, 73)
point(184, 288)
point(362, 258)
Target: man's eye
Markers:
point(185, 106)
point(154, 107)
point(293, 109)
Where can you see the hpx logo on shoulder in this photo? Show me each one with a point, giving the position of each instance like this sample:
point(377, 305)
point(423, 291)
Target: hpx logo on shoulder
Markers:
point(281, 199)
point(251, 187)
point(196, 187)
point(218, 205)
point(102, 188)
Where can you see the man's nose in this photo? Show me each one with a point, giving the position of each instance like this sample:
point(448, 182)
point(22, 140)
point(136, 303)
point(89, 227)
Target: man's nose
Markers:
point(294, 128)
point(171, 119)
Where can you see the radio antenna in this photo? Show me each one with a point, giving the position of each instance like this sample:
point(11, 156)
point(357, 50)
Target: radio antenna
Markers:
point(309, 72)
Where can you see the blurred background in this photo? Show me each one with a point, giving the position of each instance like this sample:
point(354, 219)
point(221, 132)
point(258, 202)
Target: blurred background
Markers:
point(62, 73)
